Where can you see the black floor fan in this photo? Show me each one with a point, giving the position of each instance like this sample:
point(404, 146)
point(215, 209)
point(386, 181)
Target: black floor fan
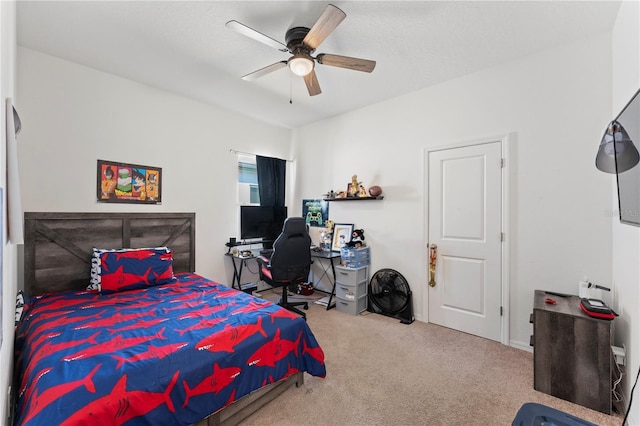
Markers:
point(390, 295)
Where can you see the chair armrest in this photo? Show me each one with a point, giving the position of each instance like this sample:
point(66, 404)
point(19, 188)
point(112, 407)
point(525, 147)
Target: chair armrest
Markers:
point(263, 261)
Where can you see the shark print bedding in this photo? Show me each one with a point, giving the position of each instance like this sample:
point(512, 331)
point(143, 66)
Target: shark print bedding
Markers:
point(165, 355)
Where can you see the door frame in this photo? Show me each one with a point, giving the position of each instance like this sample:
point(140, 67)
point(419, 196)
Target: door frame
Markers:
point(505, 142)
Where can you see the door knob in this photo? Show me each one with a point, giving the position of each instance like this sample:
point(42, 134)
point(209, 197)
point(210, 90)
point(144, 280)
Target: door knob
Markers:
point(433, 254)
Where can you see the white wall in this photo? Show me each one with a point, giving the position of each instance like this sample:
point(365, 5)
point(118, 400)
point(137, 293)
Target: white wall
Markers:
point(73, 115)
point(555, 105)
point(626, 239)
point(9, 275)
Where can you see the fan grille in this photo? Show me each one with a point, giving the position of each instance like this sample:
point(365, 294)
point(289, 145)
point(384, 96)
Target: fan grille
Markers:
point(389, 291)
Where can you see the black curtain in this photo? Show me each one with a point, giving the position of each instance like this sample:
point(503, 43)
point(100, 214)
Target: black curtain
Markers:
point(271, 180)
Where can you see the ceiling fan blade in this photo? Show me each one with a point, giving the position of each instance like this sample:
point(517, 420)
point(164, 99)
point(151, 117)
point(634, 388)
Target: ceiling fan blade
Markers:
point(326, 23)
point(356, 64)
point(264, 71)
point(313, 87)
point(256, 35)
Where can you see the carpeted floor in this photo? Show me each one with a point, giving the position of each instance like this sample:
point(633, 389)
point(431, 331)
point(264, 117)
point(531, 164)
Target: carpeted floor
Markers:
point(381, 372)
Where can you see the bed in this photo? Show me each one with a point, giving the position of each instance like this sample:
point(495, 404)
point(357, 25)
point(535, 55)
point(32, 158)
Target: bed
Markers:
point(179, 350)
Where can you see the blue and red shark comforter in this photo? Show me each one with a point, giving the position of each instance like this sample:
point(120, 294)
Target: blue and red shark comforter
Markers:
point(165, 355)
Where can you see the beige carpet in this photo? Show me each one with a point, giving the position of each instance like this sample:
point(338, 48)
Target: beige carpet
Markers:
point(381, 372)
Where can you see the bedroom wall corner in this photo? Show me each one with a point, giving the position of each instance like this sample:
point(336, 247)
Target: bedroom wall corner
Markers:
point(9, 268)
point(626, 238)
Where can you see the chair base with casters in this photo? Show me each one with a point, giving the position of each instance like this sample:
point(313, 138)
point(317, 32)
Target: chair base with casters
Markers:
point(265, 275)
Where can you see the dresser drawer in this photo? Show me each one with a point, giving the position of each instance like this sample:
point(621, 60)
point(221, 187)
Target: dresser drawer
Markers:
point(351, 292)
point(351, 276)
point(351, 307)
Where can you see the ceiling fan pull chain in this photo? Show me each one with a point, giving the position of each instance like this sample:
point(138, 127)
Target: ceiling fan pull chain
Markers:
point(290, 90)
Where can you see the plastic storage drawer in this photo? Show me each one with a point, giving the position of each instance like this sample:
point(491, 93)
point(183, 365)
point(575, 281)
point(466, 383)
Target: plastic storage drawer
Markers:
point(355, 258)
point(350, 276)
point(352, 307)
point(350, 292)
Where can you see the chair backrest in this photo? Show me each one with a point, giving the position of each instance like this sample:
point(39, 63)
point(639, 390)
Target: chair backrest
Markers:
point(291, 257)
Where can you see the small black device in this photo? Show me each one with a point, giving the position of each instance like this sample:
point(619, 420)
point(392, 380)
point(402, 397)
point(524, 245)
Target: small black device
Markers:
point(596, 308)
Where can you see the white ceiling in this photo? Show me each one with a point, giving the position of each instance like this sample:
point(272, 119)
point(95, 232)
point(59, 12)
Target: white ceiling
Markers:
point(184, 46)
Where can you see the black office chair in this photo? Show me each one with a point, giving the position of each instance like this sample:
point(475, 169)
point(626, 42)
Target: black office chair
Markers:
point(290, 261)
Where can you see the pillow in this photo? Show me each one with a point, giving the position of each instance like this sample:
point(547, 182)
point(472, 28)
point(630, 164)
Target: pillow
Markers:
point(127, 269)
point(20, 304)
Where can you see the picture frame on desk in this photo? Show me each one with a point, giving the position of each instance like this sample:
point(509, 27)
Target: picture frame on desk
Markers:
point(341, 235)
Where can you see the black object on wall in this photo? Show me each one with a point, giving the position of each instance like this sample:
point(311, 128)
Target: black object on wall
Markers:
point(618, 153)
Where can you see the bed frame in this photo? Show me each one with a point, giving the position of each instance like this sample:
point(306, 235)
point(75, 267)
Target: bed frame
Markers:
point(58, 246)
point(57, 257)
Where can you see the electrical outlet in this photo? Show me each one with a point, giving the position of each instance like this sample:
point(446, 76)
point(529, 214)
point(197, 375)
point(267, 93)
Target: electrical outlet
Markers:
point(620, 354)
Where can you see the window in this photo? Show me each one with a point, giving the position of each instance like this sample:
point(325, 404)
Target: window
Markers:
point(248, 192)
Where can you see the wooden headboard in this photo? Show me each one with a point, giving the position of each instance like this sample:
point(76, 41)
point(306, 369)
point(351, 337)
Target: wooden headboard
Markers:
point(58, 246)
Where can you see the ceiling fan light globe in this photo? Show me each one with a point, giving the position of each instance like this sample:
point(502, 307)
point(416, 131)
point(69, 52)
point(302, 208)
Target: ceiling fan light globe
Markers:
point(301, 65)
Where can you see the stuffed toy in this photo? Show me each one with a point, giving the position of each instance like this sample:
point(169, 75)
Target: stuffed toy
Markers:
point(357, 239)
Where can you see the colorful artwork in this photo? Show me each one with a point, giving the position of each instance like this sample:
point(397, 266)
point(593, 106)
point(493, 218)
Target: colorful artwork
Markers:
point(128, 183)
point(315, 212)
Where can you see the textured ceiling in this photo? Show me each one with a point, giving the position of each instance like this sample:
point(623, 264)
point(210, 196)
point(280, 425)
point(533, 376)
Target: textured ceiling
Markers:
point(184, 46)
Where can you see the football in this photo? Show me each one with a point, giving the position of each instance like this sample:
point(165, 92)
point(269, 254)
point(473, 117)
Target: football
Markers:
point(375, 191)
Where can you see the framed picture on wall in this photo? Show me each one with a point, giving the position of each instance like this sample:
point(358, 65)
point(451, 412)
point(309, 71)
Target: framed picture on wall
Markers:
point(315, 212)
point(341, 235)
point(128, 183)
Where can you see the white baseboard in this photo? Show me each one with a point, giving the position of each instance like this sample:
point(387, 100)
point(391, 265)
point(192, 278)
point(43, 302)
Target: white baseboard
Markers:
point(521, 345)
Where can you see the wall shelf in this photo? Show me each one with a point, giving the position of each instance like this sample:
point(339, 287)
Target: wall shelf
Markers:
point(379, 197)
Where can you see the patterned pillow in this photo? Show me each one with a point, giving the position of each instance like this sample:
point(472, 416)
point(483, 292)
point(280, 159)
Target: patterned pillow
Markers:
point(116, 270)
point(20, 306)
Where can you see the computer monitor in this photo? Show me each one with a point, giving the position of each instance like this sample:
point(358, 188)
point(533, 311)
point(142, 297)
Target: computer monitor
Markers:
point(629, 178)
point(261, 222)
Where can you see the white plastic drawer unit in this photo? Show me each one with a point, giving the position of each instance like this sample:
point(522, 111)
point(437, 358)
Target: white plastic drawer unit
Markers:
point(352, 307)
point(351, 276)
point(351, 289)
point(350, 292)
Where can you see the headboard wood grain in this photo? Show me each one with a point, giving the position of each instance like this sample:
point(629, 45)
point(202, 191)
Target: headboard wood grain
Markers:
point(58, 246)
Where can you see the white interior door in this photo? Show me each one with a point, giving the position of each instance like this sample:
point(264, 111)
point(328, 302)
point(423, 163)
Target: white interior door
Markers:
point(465, 223)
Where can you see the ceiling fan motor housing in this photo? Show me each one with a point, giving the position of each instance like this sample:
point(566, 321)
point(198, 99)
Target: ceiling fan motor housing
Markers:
point(294, 37)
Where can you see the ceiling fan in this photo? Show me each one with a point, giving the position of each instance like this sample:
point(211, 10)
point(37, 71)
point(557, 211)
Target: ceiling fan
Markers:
point(301, 43)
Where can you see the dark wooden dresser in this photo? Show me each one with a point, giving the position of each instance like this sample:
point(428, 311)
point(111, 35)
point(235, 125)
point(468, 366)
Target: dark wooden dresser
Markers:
point(572, 356)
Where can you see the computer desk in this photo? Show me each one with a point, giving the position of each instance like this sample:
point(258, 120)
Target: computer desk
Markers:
point(330, 257)
point(237, 270)
point(326, 259)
